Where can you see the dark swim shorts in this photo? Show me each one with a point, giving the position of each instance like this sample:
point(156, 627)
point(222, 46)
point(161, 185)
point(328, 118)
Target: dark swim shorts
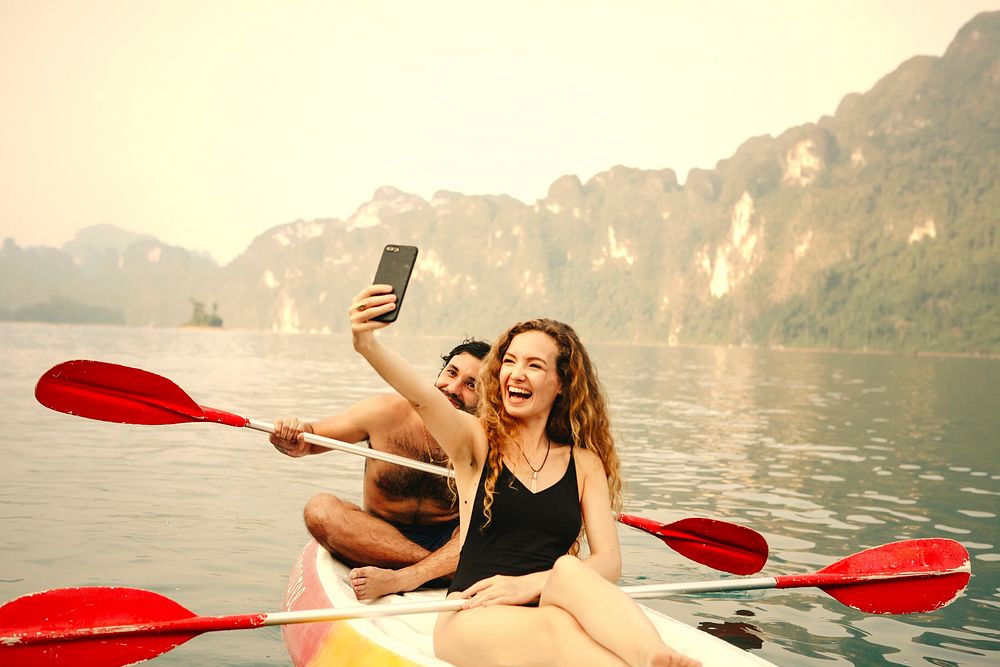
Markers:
point(431, 536)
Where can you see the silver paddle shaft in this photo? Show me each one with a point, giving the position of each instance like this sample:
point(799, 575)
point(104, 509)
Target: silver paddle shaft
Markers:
point(330, 443)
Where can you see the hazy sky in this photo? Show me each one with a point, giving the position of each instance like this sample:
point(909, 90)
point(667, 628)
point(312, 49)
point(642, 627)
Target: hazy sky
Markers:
point(206, 122)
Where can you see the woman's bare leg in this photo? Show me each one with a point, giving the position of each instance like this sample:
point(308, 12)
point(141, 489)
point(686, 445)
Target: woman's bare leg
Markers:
point(510, 636)
point(607, 615)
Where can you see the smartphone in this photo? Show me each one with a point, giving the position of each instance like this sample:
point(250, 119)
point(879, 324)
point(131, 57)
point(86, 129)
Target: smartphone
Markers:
point(394, 269)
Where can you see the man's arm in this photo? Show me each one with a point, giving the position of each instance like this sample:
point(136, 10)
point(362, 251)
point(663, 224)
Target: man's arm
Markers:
point(352, 425)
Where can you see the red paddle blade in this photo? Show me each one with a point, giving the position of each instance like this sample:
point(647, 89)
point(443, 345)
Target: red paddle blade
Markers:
point(720, 545)
point(114, 393)
point(33, 628)
point(907, 577)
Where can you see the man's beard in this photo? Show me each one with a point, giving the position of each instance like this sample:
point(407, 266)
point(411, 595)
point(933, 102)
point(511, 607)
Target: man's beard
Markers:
point(457, 401)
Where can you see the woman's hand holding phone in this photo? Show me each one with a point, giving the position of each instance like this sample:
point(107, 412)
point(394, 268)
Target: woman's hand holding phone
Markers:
point(377, 305)
point(394, 269)
point(368, 304)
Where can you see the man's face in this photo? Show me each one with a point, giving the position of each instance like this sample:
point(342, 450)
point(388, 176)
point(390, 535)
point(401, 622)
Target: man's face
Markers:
point(457, 381)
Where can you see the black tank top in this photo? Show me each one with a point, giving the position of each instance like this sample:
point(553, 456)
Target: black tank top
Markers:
point(527, 533)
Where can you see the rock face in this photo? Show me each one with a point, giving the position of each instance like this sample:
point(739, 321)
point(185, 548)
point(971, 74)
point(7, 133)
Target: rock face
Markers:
point(873, 228)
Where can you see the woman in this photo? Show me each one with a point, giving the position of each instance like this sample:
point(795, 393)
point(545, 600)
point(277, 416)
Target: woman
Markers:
point(536, 466)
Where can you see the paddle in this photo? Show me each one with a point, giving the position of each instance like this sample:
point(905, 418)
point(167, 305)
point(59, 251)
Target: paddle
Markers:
point(111, 626)
point(108, 627)
point(723, 546)
point(125, 395)
point(907, 577)
point(113, 393)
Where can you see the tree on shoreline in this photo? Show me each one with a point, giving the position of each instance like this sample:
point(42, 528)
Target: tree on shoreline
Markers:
point(200, 318)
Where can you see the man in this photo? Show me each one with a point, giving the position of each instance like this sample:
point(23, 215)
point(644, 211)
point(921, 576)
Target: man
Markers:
point(406, 533)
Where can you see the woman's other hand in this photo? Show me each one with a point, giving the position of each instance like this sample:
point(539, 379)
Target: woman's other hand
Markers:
point(500, 589)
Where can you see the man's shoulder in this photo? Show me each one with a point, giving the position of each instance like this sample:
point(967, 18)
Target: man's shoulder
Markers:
point(388, 410)
point(388, 400)
point(384, 402)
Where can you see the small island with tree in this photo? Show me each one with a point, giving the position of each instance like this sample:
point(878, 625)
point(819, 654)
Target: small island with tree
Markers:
point(200, 318)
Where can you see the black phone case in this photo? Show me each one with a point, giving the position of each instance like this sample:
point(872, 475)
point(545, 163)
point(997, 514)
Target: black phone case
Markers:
point(394, 269)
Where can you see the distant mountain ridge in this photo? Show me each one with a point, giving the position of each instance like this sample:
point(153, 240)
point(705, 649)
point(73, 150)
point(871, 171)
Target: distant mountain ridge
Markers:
point(874, 228)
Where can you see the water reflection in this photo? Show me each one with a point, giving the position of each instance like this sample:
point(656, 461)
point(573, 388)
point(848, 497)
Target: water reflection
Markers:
point(744, 635)
point(825, 454)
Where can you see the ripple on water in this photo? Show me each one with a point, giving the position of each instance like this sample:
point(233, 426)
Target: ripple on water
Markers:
point(775, 499)
point(864, 518)
point(979, 492)
point(951, 529)
point(874, 495)
point(976, 545)
point(899, 515)
point(815, 517)
point(938, 645)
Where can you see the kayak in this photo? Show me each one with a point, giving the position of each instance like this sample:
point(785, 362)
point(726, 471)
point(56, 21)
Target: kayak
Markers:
point(319, 581)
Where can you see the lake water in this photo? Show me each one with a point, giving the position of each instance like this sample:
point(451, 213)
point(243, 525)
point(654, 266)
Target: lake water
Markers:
point(825, 454)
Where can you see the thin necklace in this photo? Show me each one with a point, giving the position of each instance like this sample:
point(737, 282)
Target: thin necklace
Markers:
point(534, 472)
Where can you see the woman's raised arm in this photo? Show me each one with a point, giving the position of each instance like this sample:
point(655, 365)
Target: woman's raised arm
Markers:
point(453, 429)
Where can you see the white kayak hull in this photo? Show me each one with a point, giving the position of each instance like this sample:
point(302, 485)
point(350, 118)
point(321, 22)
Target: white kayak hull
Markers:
point(318, 581)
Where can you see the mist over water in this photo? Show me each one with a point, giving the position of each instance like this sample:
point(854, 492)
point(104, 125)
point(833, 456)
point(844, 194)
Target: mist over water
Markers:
point(825, 454)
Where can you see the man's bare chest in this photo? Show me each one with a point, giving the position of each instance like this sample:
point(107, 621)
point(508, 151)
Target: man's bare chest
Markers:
point(396, 482)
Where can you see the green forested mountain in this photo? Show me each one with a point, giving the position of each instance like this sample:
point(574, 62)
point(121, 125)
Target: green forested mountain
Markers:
point(874, 228)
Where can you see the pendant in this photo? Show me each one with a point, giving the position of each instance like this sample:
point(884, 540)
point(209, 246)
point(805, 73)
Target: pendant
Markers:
point(534, 481)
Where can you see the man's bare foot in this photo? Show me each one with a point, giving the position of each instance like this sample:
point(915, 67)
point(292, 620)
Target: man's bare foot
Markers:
point(370, 583)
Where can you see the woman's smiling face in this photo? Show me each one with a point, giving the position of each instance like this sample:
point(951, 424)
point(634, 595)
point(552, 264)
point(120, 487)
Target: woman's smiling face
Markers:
point(529, 378)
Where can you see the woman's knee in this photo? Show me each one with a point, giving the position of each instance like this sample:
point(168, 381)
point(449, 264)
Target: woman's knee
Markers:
point(567, 565)
point(566, 574)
